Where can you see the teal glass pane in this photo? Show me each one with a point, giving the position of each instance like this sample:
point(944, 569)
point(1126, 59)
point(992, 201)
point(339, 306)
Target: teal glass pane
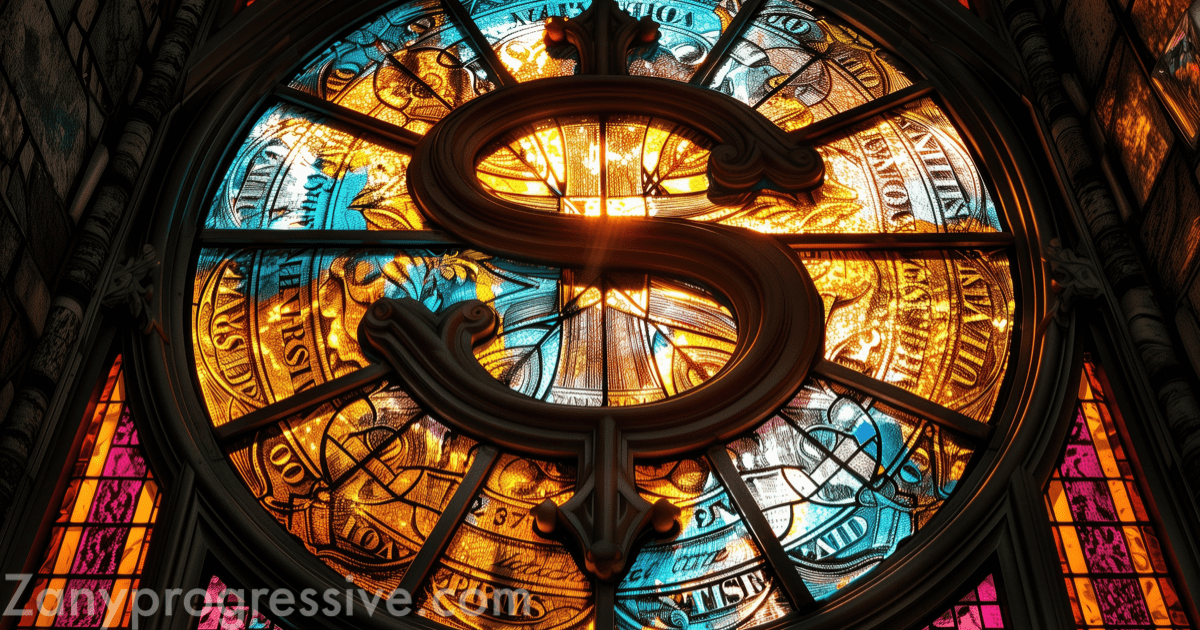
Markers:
point(409, 67)
point(689, 30)
point(516, 31)
point(843, 481)
point(295, 171)
point(712, 575)
point(798, 66)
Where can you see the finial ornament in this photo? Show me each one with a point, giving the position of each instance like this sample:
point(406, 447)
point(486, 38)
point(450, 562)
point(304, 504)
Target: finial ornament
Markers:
point(603, 34)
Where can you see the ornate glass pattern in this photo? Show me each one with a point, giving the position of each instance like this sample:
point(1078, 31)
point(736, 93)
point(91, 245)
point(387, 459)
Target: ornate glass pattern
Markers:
point(935, 325)
point(363, 475)
point(409, 67)
point(97, 546)
point(796, 66)
point(496, 552)
point(360, 479)
point(1115, 572)
point(712, 575)
point(297, 170)
point(979, 609)
point(843, 480)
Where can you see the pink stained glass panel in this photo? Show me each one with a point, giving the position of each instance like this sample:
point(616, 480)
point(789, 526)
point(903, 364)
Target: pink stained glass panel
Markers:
point(979, 609)
point(97, 545)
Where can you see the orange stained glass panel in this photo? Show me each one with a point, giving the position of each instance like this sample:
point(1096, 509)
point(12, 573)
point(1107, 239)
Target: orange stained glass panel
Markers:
point(1114, 569)
point(496, 549)
point(97, 544)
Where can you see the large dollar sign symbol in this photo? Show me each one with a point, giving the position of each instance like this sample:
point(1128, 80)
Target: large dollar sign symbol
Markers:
point(778, 311)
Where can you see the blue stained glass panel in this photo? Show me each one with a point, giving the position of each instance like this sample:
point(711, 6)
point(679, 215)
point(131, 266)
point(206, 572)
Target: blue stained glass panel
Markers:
point(842, 481)
point(295, 171)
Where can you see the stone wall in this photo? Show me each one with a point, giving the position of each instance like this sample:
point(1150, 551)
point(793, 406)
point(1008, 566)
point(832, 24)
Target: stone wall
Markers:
point(68, 70)
point(1108, 49)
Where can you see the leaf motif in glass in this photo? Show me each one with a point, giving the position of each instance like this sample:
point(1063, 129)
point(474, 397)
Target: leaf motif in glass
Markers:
point(516, 31)
point(496, 550)
point(688, 28)
point(712, 575)
point(408, 67)
point(298, 171)
point(797, 67)
point(937, 326)
point(843, 481)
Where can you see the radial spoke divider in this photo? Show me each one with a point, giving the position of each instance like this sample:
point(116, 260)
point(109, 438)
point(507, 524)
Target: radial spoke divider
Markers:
point(855, 115)
point(606, 605)
point(782, 565)
point(449, 520)
point(335, 238)
point(306, 399)
point(725, 42)
point(462, 19)
point(345, 115)
point(926, 241)
point(908, 401)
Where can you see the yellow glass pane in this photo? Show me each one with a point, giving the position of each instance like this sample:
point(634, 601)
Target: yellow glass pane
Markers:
point(649, 167)
point(1154, 601)
point(1060, 509)
point(1087, 601)
point(1138, 551)
point(1074, 552)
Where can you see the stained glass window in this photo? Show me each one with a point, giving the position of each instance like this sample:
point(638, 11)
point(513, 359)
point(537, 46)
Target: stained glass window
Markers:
point(1114, 568)
point(979, 609)
point(97, 547)
point(903, 243)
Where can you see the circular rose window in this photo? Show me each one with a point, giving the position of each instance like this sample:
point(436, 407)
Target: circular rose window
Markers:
point(654, 315)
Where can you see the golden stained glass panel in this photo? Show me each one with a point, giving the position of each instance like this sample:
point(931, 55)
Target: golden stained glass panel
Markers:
point(497, 549)
point(938, 326)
